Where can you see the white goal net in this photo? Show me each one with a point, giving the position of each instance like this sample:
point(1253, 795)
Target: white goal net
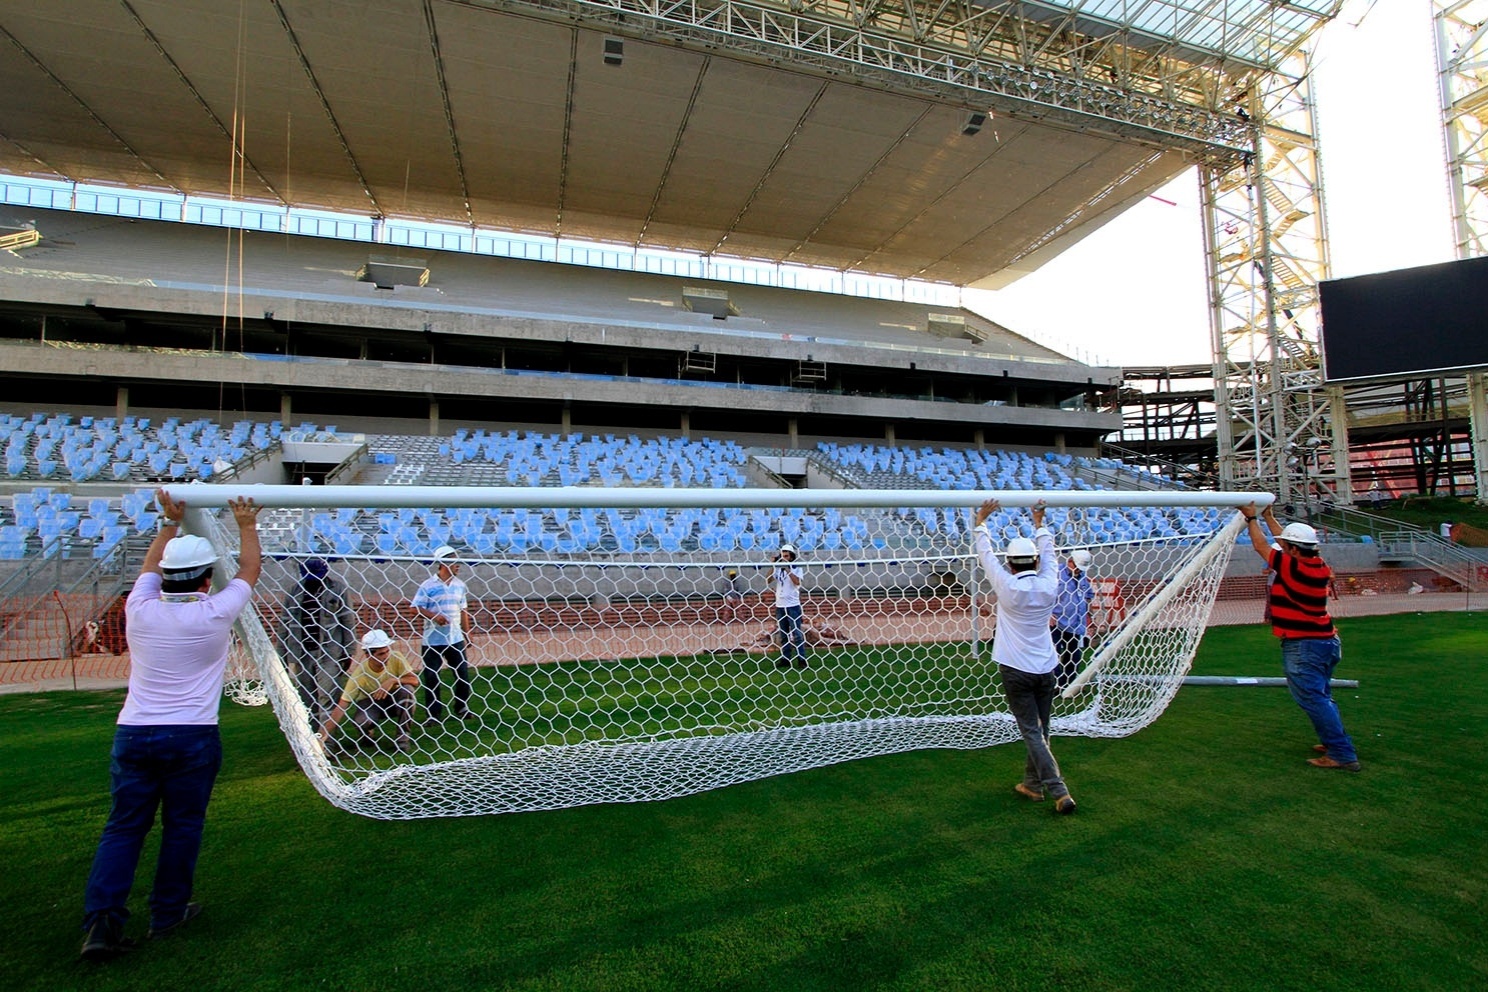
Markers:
point(623, 645)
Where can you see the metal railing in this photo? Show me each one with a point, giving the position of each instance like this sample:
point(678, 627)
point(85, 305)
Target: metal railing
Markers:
point(1180, 475)
point(1359, 523)
point(242, 465)
point(1442, 557)
point(60, 604)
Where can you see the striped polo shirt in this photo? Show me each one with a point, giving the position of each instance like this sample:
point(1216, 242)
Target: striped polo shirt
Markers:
point(1299, 596)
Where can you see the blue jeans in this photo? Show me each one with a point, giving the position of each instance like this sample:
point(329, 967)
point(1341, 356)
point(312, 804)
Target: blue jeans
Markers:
point(1030, 699)
point(1071, 649)
point(172, 768)
point(1309, 664)
point(435, 657)
point(792, 634)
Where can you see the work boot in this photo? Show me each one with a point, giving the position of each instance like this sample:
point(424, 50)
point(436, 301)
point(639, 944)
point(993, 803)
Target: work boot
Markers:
point(105, 939)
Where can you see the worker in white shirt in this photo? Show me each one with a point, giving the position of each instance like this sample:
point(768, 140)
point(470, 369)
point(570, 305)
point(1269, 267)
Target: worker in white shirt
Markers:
point(1027, 586)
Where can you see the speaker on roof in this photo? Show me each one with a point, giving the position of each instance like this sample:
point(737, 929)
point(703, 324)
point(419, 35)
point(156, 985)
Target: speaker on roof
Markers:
point(614, 51)
point(974, 122)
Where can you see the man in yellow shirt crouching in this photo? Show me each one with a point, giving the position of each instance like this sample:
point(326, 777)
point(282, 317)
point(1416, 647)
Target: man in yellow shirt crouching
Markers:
point(380, 685)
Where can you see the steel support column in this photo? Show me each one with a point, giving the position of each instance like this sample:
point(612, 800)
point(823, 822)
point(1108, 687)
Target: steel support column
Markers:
point(1266, 248)
point(1462, 65)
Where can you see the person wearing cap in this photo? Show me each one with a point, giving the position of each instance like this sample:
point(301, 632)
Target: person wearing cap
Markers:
point(1310, 647)
point(441, 601)
point(167, 749)
point(1023, 646)
point(317, 635)
point(380, 685)
point(733, 595)
point(1070, 621)
point(787, 577)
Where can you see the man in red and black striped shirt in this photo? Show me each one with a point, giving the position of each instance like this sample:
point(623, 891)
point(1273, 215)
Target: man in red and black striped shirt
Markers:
point(1310, 648)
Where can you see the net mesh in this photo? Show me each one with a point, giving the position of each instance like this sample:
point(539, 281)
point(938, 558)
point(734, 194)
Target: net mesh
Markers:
point(657, 671)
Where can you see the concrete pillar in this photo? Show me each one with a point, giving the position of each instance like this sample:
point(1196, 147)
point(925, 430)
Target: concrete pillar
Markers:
point(979, 438)
point(686, 425)
point(1059, 441)
point(284, 409)
point(792, 431)
point(567, 420)
point(121, 402)
point(889, 434)
point(433, 417)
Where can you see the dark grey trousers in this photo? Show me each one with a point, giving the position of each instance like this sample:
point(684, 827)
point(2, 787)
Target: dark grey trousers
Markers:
point(1030, 698)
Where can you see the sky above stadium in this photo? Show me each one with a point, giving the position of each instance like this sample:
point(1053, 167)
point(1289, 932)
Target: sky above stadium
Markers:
point(1134, 293)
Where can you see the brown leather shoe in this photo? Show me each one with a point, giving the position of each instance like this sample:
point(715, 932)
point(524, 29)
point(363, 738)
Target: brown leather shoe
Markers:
point(1064, 805)
point(1326, 762)
point(1027, 793)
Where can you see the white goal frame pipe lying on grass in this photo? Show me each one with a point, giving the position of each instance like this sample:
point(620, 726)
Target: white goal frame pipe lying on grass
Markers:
point(613, 675)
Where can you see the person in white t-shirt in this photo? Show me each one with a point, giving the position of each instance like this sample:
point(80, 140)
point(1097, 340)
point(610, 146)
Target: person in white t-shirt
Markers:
point(1027, 587)
point(787, 576)
point(167, 749)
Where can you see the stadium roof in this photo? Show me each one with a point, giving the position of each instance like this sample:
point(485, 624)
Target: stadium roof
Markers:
point(957, 143)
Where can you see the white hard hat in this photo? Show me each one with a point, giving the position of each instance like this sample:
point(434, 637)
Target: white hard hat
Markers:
point(444, 551)
point(788, 549)
point(1021, 548)
point(187, 556)
point(1081, 558)
point(374, 639)
point(1295, 533)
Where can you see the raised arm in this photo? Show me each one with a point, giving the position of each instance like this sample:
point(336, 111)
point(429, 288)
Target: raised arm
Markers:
point(1048, 561)
point(1258, 539)
point(250, 553)
point(169, 528)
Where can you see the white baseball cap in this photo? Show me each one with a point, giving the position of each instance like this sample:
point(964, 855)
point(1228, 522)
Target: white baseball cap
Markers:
point(1021, 548)
point(374, 639)
point(788, 549)
point(1081, 558)
point(187, 556)
point(444, 551)
point(1295, 533)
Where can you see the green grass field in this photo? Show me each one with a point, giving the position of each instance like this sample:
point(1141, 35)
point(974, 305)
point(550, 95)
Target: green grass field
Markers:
point(1206, 855)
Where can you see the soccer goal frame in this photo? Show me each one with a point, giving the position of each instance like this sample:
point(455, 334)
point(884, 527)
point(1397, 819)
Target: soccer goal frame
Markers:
point(616, 659)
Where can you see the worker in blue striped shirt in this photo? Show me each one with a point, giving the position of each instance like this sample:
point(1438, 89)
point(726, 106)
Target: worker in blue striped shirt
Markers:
point(441, 600)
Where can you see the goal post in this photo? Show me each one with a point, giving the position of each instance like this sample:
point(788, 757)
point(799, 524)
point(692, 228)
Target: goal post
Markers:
point(622, 644)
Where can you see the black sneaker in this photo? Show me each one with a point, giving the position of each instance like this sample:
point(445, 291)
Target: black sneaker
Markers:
point(105, 939)
point(193, 910)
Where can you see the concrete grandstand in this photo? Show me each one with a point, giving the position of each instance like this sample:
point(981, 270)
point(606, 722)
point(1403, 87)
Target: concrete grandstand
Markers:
point(135, 316)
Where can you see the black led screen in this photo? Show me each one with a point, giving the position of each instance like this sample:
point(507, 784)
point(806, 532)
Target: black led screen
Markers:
point(1423, 320)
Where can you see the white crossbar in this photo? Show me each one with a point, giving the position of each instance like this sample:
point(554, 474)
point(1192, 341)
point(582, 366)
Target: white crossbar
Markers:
point(210, 496)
